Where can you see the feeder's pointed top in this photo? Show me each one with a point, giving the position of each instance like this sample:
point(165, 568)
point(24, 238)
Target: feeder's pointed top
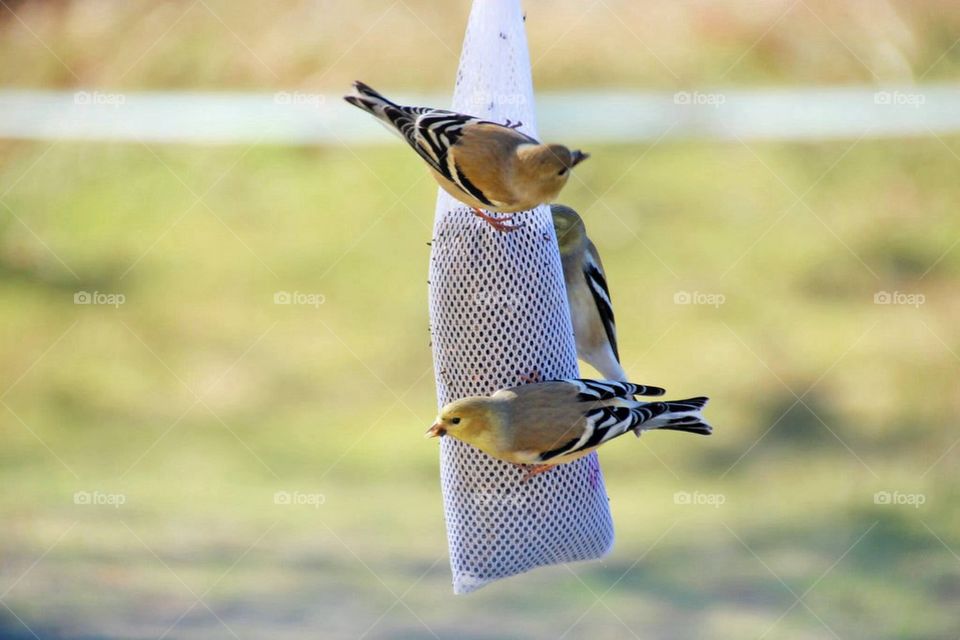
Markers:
point(494, 80)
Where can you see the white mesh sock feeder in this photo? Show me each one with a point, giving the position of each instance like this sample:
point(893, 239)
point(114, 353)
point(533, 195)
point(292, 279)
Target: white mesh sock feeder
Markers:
point(498, 313)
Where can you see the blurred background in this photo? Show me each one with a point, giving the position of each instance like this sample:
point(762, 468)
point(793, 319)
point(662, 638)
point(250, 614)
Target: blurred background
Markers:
point(216, 370)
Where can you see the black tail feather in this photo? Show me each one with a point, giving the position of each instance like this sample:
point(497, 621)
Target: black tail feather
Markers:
point(699, 427)
point(369, 91)
point(689, 404)
point(682, 415)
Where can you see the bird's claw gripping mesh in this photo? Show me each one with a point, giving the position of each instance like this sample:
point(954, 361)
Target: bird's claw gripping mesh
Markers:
point(499, 318)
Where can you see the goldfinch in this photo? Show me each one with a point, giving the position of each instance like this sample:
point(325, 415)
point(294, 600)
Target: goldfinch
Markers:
point(590, 308)
point(483, 164)
point(550, 423)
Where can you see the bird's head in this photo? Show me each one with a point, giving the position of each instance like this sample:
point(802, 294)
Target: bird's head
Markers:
point(465, 419)
point(569, 228)
point(548, 166)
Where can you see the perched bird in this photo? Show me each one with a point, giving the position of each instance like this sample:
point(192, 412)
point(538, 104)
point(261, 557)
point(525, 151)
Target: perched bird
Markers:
point(483, 164)
point(550, 423)
point(587, 295)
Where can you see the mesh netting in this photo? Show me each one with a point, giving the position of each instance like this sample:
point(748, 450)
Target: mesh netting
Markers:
point(499, 316)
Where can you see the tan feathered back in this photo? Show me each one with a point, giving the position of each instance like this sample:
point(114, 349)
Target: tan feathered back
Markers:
point(488, 153)
point(537, 400)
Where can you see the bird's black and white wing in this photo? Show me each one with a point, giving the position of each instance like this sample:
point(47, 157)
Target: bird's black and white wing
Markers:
point(431, 133)
point(597, 283)
point(606, 423)
point(593, 390)
point(435, 133)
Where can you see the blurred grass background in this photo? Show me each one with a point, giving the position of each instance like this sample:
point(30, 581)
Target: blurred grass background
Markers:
point(199, 398)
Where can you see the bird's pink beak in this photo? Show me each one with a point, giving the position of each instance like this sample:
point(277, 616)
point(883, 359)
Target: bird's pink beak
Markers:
point(435, 431)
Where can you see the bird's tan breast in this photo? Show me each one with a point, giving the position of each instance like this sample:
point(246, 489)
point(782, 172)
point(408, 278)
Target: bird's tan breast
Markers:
point(587, 325)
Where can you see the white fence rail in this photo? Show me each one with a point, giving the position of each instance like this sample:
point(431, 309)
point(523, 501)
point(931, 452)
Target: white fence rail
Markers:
point(597, 116)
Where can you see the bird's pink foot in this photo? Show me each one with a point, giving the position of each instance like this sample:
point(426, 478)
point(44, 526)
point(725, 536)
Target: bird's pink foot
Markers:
point(501, 225)
point(534, 470)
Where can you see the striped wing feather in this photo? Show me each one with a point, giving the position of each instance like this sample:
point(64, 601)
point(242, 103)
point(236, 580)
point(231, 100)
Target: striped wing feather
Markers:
point(597, 283)
point(594, 390)
point(603, 424)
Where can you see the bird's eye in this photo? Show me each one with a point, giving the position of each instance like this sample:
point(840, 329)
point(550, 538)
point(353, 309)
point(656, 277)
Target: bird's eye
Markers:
point(562, 171)
point(455, 421)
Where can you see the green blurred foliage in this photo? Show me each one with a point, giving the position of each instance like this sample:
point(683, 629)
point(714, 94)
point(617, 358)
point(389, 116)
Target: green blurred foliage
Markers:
point(199, 398)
